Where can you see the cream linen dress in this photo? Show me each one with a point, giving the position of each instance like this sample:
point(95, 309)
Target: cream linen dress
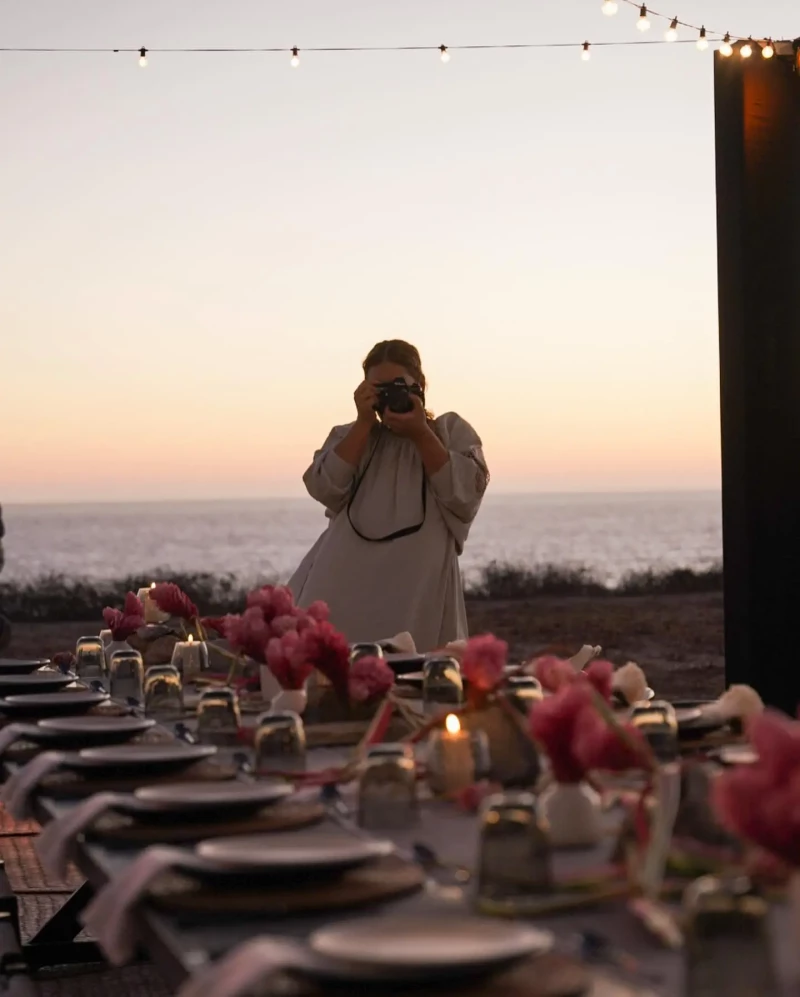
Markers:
point(411, 583)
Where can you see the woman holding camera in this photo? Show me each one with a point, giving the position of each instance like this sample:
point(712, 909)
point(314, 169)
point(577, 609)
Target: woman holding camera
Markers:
point(401, 490)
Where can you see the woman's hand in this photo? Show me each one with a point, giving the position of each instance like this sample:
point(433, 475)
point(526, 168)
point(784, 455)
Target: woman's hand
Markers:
point(413, 425)
point(366, 398)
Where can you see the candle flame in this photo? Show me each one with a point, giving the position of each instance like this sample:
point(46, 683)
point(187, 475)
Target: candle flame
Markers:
point(191, 639)
point(152, 585)
point(452, 723)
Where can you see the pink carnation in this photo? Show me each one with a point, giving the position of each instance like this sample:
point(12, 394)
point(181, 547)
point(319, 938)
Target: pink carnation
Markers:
point(328, 651)
point(133, 605)
point(319, 612)
point(124, 623)
point(483, 663)
point(286, 660)
point(249, 633)
point(369, 679)
point(171, 598)
point(601, 675)
point(273, 600)
point(553, 672)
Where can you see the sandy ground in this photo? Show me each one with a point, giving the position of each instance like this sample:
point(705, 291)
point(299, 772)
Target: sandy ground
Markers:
point(678, 640)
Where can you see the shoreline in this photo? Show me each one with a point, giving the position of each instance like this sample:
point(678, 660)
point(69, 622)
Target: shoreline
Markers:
point(676, 638)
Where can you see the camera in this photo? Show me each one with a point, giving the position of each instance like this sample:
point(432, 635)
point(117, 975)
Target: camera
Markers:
point(396, 396)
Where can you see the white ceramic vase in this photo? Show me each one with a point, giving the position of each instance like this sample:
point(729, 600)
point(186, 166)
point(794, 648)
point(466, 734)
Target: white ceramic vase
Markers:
point(295, 700)
point(573, 813)
point(115, 645)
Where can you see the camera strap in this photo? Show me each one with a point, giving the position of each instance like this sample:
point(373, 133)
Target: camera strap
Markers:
point(407, 531)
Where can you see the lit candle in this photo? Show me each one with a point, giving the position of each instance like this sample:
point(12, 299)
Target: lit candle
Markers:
point(152, 614)
point(451, 761)
point(190, 657)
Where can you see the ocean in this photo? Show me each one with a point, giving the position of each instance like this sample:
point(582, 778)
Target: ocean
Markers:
point(611, 534)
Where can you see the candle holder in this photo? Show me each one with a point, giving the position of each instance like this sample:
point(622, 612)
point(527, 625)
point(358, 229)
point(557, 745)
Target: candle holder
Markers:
point(728, 948)
point(456, 758)
point(190, 657)
point(659, 727)
point(442, 684)
point(126, 676)
point(163, 690)
point(279, 743)
point(218, 716)
point(365, 650)
point(152, 614)
point(523, 692)
point(515, 857)
point(387, 788)
point(90, 658)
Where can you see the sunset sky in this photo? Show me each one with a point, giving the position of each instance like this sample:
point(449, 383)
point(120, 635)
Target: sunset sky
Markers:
point(196, 256)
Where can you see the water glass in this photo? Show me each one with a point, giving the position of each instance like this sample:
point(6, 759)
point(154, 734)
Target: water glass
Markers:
point(163, 690)
point(442, 685)
point(365, 650)
point(387, 788)
point(279, 743)
point(523, 692)
point(126, 676)
point(515, 856)
point(659, 727)
point(90, 658)
point(218, 715)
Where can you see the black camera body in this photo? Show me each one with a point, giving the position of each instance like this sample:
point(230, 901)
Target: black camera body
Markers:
point(396, 396)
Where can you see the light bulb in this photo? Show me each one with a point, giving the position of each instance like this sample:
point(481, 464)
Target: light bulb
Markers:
point(643, 24)
point(294, 62)
point(672, 31)
point(702, 41)
point(768, 50)
point(610, 7)
point(143, 57)
point(726, 49)
point(445, 55)
point(586, 54)
point(746, 50)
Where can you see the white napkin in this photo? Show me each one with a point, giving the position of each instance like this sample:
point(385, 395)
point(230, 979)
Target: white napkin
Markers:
point(241, 970)
point(55, 841)
point(403, 643)
point(668, 800)
point(8, 735)
point(586, 655)
point(16, 793)
point(108, 915)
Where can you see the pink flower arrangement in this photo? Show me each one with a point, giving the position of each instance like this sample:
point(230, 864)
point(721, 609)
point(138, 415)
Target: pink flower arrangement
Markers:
point(369, 679)
point(760, 803)
point(556, 673)
point(328, 651)
point(286, 659)
point(483, 663)
point(171, 599)
point(123, 623)
point(578, 739)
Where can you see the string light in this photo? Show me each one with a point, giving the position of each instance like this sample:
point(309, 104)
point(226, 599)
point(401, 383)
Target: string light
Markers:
point(610, 7)
point(586, 54)
point(726, 49)
point(747, 49)
point(143, 57)
point(672, 31)
point(445, 55)
point(768, 50)
point(294, 62)
point(702, 41)
point(643, 24)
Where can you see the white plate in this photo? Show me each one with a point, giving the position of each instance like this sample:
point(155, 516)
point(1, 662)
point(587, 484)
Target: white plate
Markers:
point(425, 946)
point(736, 754)
point(35, 682)
point(284, 853)
point(143, 755)
point(20, 666)
point(209, 796)
point(54, 702)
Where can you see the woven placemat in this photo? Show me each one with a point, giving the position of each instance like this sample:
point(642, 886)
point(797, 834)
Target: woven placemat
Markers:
point(375, 883)
point(131, 981)
point(119, 829)
point(72, 786)
point(25, 872)
point(9, 826)
point(36, 909)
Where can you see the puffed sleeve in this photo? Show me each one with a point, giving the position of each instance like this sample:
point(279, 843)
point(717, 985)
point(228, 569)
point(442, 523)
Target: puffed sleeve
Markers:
point(329, 478)
point(459, 486)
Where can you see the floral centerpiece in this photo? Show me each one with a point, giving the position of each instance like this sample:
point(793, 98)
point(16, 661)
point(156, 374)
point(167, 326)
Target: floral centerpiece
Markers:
point(123, 623)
